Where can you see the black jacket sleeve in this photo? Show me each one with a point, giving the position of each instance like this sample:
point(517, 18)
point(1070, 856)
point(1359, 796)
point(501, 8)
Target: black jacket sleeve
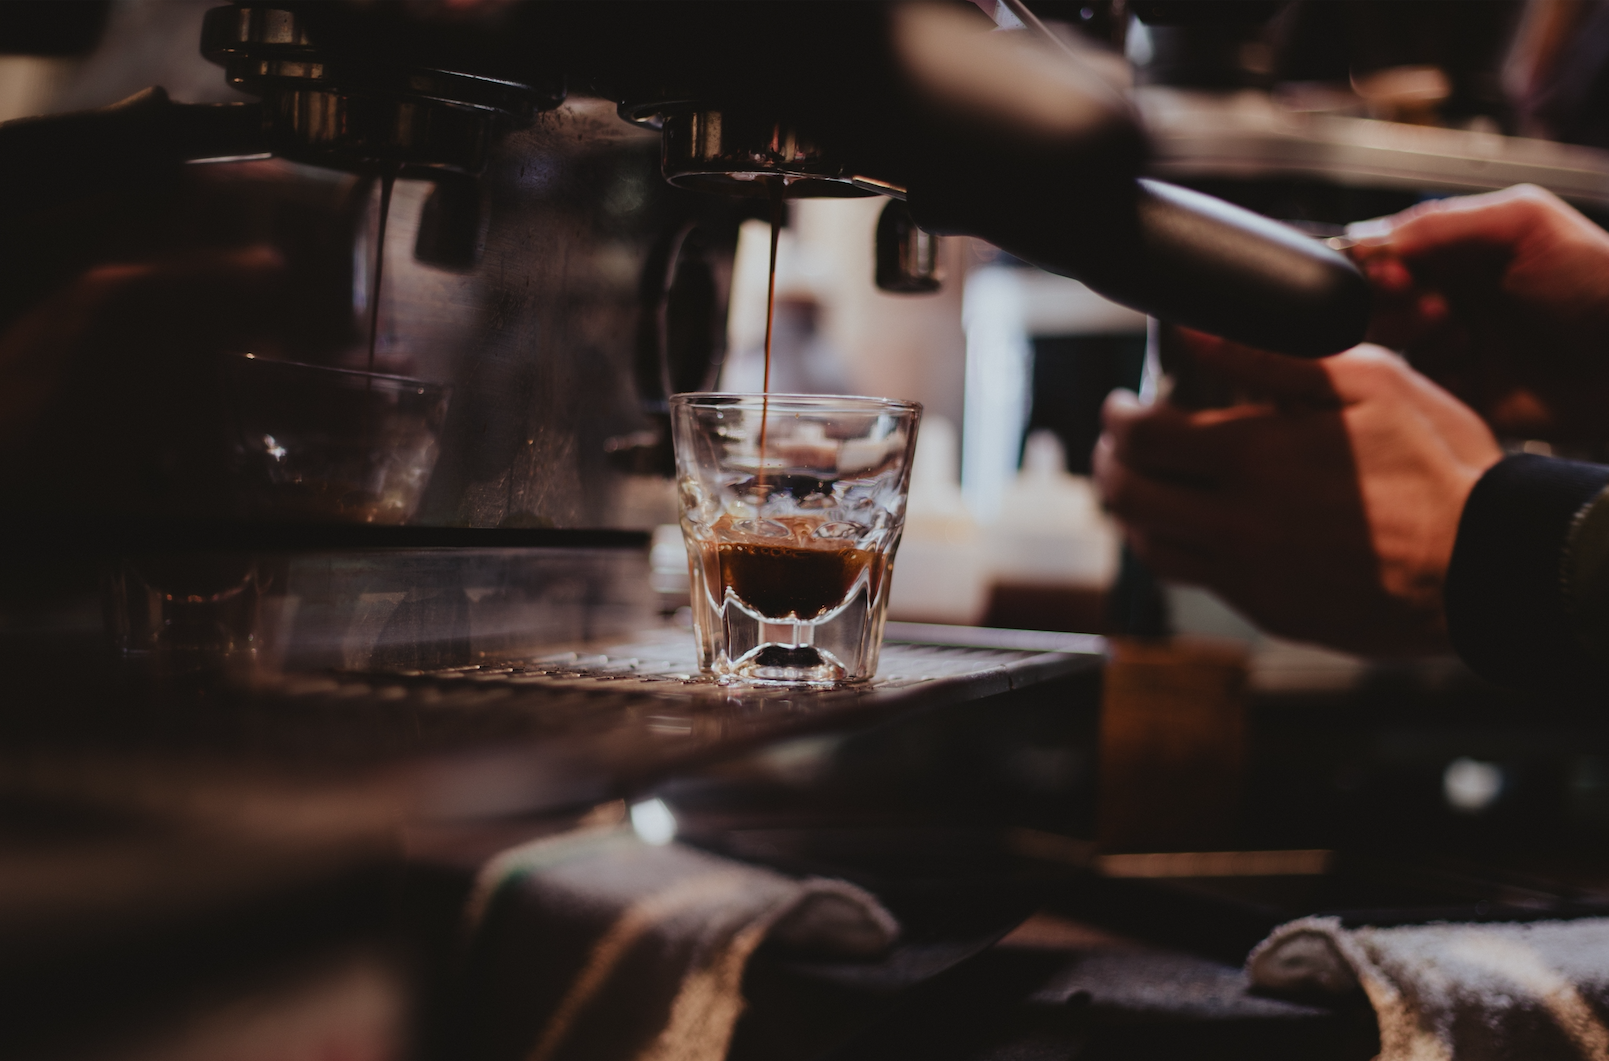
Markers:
point(1518, 606)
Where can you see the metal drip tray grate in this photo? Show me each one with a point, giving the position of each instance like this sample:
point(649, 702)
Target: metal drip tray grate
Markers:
point(578, 725)
point(664, 664)
point(542, 732)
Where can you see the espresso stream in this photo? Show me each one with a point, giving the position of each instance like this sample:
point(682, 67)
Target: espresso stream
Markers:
point(386, 183)
point(770, 315)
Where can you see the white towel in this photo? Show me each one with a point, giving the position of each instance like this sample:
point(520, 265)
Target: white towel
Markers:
point(594, 945)
point(1455, 992)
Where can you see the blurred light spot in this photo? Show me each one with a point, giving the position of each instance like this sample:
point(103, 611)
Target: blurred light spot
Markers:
point(275, 450)
point(1006, 18)
point(653, 822)
point(1470, 785)
point(627, 195)
point(538, 174)
point(1137, 43)
point(1044, 769)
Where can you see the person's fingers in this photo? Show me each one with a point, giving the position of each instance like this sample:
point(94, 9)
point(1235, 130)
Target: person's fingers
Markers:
point(1102, 464)
point(1432, 309)
point(1370, 233)
point(101, 312)
point(244, 266)
point(1274, 375)
point(1456, 424)
point(1372, 376)
point(1364, 372)
point(1502, 218)
point(1122, 403)
point(1134, 497)
point(1183, 444)
point(1153, 438)
point(1386, 273)
point(1172, 559)
point(1148, 505)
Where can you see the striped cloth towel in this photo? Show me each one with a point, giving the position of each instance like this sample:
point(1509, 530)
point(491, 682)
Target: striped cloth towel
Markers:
point(1455, 992)
point(595, 945)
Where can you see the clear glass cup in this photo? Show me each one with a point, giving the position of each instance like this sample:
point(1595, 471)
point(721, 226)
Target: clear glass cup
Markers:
point(791, 530)
point(332, 445)
point(188, 613)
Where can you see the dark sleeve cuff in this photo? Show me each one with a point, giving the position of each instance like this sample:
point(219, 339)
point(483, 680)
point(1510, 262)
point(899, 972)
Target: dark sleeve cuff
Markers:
point(1507, 610)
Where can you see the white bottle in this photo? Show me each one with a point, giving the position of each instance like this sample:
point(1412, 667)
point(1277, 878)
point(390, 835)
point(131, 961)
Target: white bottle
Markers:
point(1051, 531)
point(940, 572)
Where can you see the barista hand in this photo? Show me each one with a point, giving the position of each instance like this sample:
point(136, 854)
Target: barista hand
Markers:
point(127, 320)
point(109, 387)
point(1325, 509)
point(1504, 299)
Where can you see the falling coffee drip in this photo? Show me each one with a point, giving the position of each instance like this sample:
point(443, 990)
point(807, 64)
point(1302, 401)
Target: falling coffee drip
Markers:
point(388, 179)
point(770, 315)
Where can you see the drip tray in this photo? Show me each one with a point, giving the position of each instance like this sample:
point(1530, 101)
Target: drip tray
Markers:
point(598, 721)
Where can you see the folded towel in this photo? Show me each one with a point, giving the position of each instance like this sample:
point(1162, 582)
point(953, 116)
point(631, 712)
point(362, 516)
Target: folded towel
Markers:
point(1456, 991)
point(595, 945)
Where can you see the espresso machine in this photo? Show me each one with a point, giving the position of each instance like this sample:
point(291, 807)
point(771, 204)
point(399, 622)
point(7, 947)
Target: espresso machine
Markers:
point(207, 648)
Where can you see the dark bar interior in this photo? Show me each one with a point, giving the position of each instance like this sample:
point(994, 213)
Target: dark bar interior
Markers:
point(804, 531)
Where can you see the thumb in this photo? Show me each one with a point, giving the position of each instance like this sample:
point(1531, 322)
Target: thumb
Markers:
point(1495, 219)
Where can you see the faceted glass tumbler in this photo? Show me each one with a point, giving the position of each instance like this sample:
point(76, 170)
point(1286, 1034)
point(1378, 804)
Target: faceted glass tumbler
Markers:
point(332, 445)
point(792, 506)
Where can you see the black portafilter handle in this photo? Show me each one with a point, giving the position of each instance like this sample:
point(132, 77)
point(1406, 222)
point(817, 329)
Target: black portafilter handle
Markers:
point(1184, 258)
point(1209, 265)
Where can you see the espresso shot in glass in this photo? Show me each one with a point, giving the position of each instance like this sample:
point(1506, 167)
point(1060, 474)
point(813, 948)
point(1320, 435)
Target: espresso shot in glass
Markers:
point(792, 507)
